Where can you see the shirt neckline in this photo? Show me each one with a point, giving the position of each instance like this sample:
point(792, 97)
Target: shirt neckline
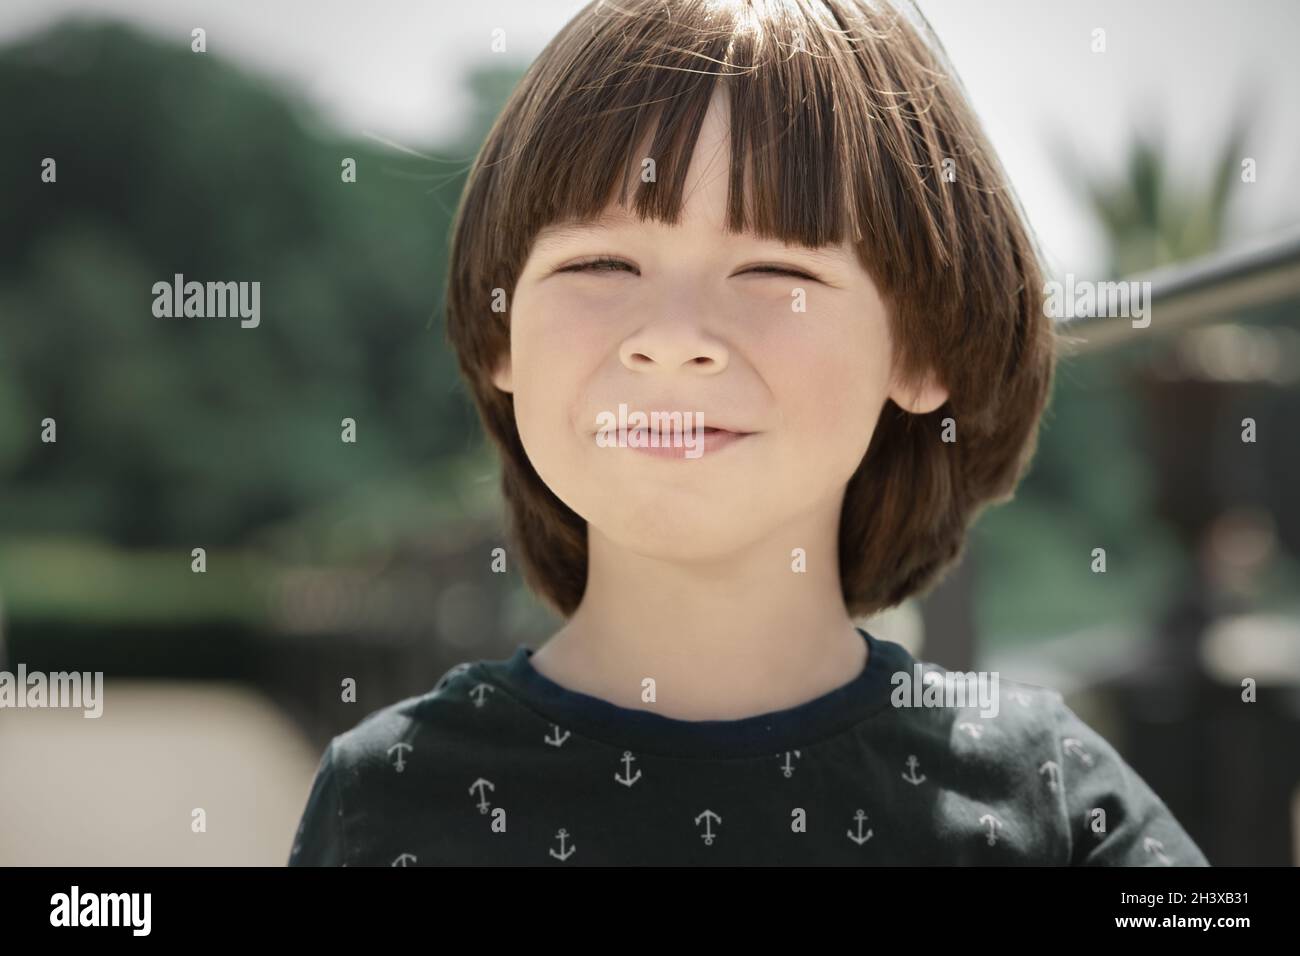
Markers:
point(644, 731)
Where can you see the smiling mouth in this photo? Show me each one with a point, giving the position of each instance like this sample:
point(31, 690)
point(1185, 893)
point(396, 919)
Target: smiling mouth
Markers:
point(678, 445)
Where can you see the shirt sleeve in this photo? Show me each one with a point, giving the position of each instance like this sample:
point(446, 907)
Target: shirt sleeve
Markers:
point(1115, 818)
point(319, 840)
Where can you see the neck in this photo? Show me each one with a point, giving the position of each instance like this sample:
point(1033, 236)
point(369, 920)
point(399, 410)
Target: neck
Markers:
point(723, 637)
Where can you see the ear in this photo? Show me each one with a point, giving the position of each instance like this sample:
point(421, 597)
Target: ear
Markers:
point(501, 375)
point(919, 401)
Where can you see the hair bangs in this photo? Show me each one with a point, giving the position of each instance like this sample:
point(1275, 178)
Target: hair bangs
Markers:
point(796, 171)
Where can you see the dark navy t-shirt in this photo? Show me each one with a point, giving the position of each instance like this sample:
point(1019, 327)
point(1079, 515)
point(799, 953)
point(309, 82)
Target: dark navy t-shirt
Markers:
point(499, 765)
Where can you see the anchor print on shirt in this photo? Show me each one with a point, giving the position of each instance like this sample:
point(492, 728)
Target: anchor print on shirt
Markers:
point(403, 859)
point(1053, 771)
point(708, 816)
point(627, 779)
point(1074, 748)
point(910, 776)
point(479, 691)
point(482, 786)
point(787, 769)
point(860, 838)
point(399, 764)
point(555, 739)
point(563, 854)
point(993, 823)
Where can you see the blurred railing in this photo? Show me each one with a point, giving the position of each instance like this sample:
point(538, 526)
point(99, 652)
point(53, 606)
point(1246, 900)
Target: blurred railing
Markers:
point(1255, 274)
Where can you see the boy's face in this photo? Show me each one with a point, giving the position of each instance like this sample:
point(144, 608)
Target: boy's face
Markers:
point(693, 322)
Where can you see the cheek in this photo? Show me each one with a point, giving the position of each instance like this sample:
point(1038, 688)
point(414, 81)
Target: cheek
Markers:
point(831, 378)
point(553, 347)
point(558, 323)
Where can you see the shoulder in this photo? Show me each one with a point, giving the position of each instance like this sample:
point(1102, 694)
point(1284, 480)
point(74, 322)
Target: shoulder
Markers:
point(976, 705)
point(378, 772)
point(990, 718)
point(385, 735)
point(1024, 744)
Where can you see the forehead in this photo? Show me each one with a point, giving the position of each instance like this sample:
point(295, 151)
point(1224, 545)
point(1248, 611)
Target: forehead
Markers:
point(575, 228)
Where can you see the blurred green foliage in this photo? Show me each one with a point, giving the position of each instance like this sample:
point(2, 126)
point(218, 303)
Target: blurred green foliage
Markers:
point(175, 433)
point(197, 430)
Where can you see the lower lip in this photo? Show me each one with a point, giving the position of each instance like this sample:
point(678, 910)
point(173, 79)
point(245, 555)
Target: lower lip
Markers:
point(709, 442)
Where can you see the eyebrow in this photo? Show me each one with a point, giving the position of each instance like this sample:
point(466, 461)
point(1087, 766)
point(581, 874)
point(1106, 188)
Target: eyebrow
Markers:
point(558, 231)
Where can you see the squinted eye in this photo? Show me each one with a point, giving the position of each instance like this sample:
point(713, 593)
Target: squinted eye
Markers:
point(783, 271)
point(599, 265)
point(618, 265)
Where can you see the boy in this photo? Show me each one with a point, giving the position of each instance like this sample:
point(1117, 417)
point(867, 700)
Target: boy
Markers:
point(745, 303)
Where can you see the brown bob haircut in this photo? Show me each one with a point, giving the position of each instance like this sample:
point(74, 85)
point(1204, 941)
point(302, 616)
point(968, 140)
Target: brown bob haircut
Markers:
point(849, 124)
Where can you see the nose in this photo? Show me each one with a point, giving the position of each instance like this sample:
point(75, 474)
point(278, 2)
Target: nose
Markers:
point(668, 344)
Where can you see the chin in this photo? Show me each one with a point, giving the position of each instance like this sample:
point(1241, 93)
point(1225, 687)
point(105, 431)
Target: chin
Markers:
point(681, 535)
